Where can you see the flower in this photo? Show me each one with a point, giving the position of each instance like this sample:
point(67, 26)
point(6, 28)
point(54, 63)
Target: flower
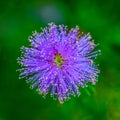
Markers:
point(59, 61)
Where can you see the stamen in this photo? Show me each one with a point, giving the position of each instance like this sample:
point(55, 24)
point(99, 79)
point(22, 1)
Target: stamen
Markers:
point(58, 60)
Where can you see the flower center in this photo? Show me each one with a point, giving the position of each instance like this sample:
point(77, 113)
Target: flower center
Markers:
point(58, 60)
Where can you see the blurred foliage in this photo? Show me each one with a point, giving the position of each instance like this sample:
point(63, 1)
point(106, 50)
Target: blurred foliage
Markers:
point(18, 18)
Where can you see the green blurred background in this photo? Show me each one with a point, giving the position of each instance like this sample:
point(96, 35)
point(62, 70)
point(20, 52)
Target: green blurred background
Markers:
point(18, 18)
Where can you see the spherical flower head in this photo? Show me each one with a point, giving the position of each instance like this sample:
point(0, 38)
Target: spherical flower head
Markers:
point(59, 61)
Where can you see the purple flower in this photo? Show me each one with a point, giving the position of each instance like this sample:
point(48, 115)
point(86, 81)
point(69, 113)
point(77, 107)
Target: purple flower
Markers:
point(59, 61)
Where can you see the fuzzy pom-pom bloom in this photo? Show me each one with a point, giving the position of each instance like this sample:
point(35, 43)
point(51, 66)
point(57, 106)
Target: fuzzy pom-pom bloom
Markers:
point(59, 61)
